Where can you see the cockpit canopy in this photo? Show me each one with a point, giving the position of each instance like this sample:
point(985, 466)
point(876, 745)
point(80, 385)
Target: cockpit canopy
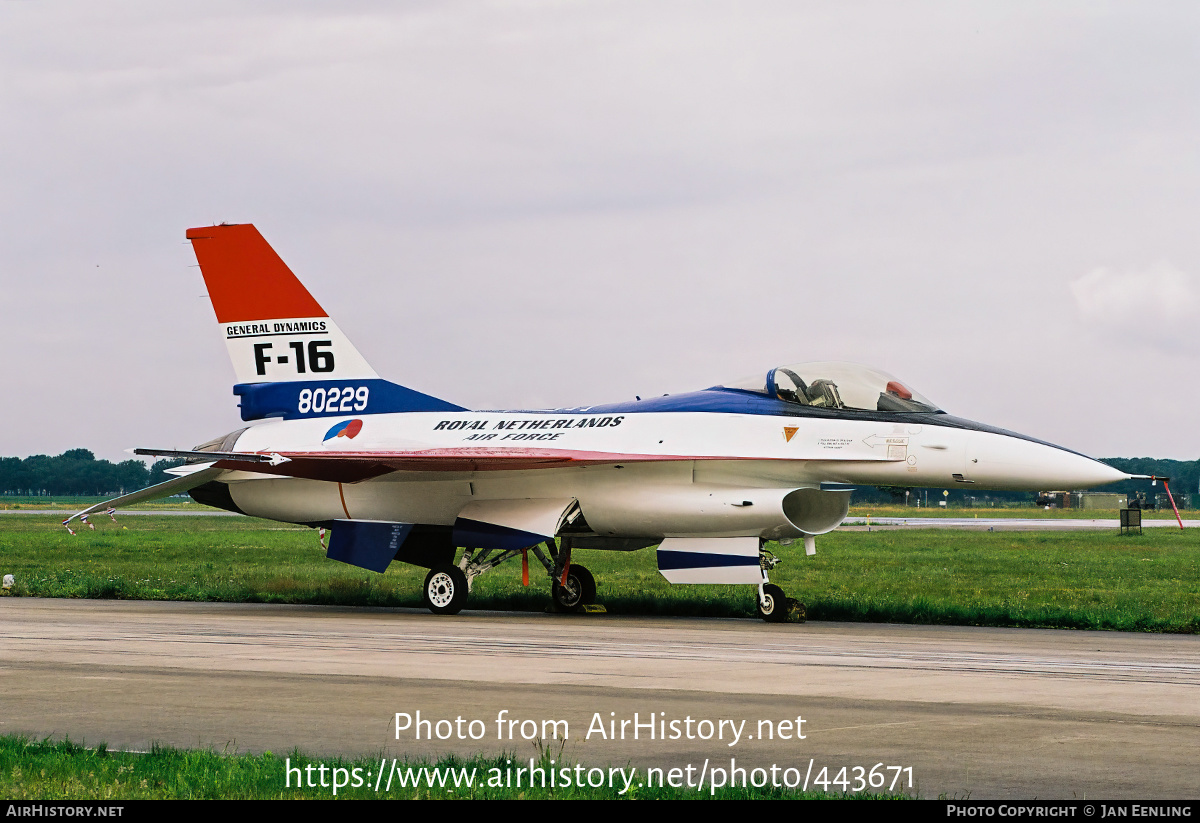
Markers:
point(833, 385)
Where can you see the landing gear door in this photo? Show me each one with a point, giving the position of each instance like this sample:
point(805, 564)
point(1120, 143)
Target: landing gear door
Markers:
point(511, 524)
point(710, 560)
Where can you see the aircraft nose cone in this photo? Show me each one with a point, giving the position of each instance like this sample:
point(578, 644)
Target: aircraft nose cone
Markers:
point(1002, 461)
point(1088, 472)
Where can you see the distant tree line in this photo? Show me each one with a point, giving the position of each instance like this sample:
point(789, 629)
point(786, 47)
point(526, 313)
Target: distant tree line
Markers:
point(78, 472)
point(1184, 474)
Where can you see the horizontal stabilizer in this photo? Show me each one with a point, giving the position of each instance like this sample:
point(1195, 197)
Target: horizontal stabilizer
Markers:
point(374, 544)
point(176, 486)
point(186, 469)
point(368, 545)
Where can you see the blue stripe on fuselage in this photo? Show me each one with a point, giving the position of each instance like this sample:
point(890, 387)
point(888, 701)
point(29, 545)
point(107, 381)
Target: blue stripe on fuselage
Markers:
point(720, 399)
point(260, 400)
point(354, 397)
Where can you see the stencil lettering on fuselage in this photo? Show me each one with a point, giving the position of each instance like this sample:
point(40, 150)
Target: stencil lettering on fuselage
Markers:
point(523, 429)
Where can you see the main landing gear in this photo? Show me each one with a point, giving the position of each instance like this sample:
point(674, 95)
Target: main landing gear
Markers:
point(773, 605)
point(580, 590)
point(447, 587)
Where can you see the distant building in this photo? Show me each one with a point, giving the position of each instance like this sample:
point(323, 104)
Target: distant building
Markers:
point(1099, 500)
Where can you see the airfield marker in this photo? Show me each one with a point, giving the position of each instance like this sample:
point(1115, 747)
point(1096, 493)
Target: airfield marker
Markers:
point(1172, 499)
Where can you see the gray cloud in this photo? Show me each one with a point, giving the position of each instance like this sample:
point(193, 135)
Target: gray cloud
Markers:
point(1156, 304)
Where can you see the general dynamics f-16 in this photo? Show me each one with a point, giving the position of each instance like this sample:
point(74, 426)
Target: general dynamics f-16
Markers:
point(708, 476)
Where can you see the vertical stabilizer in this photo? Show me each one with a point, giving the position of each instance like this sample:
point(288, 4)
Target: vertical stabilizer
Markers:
point(275, 331)
point(290, 358)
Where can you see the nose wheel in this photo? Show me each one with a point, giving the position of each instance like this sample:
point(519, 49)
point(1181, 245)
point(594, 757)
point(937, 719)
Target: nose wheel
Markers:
point(776, 607)
point(772, 605)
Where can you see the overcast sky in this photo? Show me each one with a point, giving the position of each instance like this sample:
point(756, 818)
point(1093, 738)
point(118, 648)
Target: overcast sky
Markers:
point(533, 204)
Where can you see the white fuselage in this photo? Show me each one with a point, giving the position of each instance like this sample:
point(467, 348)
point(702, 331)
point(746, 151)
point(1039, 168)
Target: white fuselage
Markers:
point(656, 474)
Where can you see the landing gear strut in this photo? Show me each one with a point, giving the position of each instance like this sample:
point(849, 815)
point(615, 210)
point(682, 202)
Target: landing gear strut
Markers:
point(773, 605)
point(446, 587)
point(578, 588)
point(579, 591)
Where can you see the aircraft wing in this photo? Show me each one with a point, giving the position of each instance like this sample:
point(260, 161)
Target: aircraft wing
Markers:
point(351, 467)
point(198, 477)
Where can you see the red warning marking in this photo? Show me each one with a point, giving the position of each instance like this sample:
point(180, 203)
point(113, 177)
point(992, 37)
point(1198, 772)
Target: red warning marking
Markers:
point(246, 279)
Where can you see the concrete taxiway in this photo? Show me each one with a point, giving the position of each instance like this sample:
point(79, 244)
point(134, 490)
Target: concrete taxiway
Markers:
point(984, 713)
point(1026, 524)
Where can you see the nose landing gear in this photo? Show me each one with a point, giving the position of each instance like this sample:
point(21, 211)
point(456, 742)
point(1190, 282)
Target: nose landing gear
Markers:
point(773, 605)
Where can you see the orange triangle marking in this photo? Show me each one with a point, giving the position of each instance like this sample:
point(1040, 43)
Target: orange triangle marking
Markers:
point(788, 431)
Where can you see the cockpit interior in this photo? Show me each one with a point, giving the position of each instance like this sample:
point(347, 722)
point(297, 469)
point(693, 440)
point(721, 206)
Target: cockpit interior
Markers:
point(833, 385)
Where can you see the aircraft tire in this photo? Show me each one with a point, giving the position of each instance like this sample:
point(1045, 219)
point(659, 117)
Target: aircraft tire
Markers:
point(586, 581)
point(580, 589)
point(776, 608)
point(445, 590)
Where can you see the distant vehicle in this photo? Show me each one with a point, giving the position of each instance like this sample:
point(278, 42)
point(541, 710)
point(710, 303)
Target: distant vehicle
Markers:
point(1138, 500)
point(1053, 500)
point(708, 476)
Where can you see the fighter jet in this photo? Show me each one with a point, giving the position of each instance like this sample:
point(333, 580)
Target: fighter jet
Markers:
point(709, 477)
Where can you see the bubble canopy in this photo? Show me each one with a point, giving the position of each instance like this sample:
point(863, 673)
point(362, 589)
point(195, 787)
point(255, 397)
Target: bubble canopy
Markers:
point(834, 385)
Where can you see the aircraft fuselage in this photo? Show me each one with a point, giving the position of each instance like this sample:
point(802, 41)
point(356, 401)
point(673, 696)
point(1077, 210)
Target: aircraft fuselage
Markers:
point(654, 474)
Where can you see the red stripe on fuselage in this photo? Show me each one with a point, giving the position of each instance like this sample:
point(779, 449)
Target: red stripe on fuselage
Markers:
point(352, 467)
point(497, 458)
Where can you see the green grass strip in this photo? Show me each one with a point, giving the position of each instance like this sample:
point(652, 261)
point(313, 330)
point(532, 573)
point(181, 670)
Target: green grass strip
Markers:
point(1052, 579)
point(48, 770)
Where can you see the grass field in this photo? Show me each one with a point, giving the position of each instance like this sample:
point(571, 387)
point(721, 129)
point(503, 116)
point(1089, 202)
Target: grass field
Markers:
point(1086, 580)
point(46, 770)
point(1026, 512)
point(74, 504)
